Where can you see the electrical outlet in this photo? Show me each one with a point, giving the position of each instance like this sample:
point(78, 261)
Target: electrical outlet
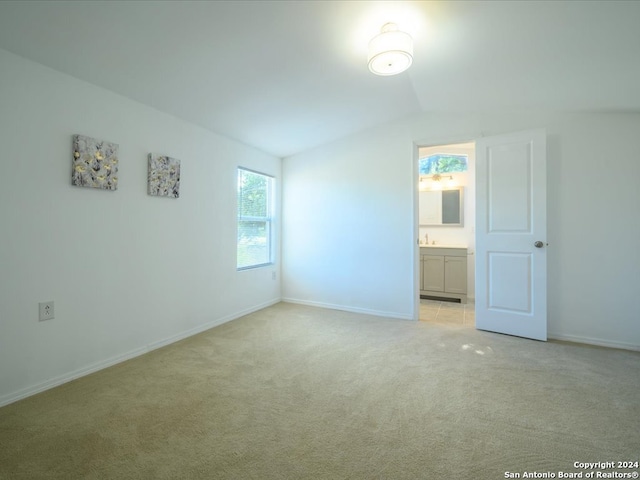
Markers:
point(273, 275)
point(46, 311)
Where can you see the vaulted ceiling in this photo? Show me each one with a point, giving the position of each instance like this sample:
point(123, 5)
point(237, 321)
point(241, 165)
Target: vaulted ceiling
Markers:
point(286, 76)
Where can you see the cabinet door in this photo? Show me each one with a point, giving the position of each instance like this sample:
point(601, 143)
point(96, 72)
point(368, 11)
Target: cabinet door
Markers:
point(455, 274)
point(433, 273)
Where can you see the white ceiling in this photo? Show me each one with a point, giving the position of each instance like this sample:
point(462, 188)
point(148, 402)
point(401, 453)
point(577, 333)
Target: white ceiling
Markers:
point(285, 76)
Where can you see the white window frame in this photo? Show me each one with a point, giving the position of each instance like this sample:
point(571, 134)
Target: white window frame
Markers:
point(268, 219)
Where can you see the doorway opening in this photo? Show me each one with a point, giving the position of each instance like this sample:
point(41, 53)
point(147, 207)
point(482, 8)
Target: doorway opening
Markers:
point(446, 233)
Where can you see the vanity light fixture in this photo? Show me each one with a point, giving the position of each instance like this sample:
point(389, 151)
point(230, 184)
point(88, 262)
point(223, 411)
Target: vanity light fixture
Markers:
point(436, 181)
point(436, 177)
point(391, 51)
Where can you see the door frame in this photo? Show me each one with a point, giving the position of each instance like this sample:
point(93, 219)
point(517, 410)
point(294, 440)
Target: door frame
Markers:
point(430, 142)
point(415, 178)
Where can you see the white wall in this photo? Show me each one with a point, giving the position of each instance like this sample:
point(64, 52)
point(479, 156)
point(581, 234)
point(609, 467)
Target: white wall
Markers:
point(127, 271)
point(348, 225)
point(349, 235)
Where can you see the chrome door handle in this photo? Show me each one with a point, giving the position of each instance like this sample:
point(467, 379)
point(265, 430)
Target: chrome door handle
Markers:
point(538, 244)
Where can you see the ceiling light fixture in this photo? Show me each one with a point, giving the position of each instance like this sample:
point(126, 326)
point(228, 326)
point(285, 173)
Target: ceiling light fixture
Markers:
point(391, 51)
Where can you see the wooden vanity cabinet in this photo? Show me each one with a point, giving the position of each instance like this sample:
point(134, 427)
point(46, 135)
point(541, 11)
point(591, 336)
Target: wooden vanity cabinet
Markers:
point(443, 272)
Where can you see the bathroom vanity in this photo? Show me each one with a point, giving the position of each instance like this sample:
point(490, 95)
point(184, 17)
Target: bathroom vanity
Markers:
point(443, 272)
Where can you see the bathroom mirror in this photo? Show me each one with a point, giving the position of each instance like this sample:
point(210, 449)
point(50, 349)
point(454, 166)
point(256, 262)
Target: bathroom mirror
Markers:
point(441, 207)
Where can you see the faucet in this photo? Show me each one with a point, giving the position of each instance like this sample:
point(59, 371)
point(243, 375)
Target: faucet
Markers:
point(426, 239)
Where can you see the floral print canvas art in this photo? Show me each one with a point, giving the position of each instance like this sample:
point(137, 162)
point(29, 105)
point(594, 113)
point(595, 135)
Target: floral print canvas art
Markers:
point(95, 163)
point(164, 176)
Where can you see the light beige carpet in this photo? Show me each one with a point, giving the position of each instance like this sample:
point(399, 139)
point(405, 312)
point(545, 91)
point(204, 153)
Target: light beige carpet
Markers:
point(296, 392)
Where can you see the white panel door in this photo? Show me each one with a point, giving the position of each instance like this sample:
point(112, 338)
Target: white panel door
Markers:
point(511, 230)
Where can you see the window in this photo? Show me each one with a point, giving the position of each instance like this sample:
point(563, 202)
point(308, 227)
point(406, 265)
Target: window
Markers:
point(443, 163)
point(255, 212)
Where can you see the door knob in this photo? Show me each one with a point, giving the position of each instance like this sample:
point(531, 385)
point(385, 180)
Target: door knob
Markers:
point(538, 244)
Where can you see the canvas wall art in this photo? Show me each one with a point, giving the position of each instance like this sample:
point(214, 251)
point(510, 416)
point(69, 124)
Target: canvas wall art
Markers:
point(95, 163)
point(164, 176)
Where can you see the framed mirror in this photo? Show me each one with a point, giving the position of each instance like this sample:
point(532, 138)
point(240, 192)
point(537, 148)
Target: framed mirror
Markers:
point(441, 207)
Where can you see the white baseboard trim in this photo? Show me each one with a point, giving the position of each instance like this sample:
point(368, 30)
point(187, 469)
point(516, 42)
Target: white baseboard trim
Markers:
point(209, 325)
point(346, 308)
point(95, 367)
point(67, 377)
point(593, 341)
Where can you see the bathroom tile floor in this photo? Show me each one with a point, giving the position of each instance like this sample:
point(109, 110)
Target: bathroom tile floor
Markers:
point(449, 313)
